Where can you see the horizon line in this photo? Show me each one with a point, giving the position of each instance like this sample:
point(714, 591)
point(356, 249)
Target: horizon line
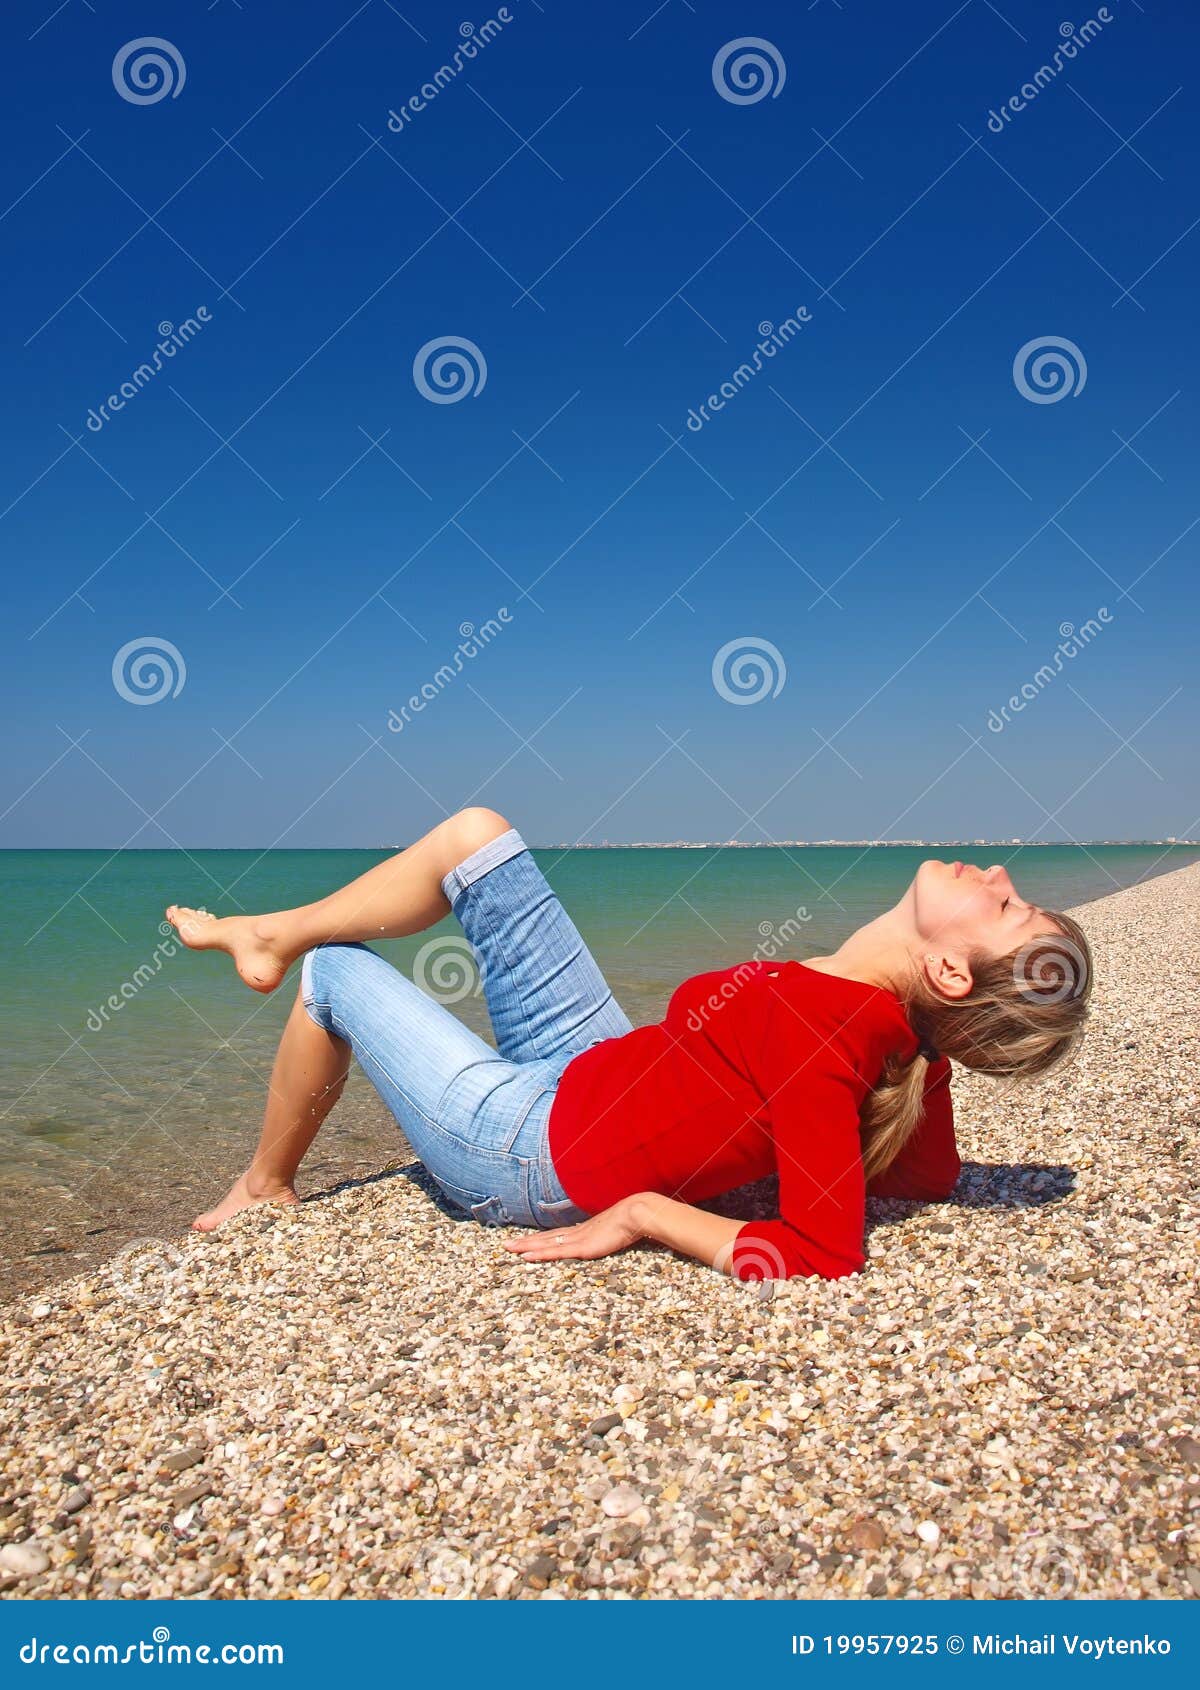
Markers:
point(675, 845)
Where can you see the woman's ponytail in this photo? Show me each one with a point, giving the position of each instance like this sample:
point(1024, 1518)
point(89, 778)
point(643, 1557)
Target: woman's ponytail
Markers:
point(891, 1113)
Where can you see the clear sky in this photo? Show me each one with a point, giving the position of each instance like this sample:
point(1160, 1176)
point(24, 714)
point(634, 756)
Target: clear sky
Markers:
point(580, 202)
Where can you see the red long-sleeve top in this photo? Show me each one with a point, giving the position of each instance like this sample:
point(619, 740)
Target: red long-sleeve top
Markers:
point(755, 1070)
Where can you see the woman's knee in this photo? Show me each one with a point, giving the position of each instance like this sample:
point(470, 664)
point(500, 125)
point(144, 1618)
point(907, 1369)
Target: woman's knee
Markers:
point(473, 828)
point(331, 977)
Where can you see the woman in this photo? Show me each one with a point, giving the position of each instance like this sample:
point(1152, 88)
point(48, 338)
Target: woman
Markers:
point(832, 1073)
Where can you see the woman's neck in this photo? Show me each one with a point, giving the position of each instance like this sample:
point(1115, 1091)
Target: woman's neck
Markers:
point(877, 955)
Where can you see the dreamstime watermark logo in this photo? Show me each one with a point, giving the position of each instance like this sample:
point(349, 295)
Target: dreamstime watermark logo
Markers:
point(748, 669)
point(147, 1270)
point(469, 47)
point(774, 339)
point(145, 71)
point(756, 1263)
point(1051, 969)
point(472, 641)
point(448, 369)
point(747, 70)
point(1044, 1570)
point(445, 1572)
point(157, 1650)
point(1048, 369)
point(141, 977)
point(772, 941)
point(447, 969)
point(172, 338)
point(1072, 641)
point(1072, 43)
point(148, 669)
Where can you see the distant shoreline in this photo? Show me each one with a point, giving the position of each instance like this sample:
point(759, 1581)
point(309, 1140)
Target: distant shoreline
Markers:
point(868, 844)
point(677, 845)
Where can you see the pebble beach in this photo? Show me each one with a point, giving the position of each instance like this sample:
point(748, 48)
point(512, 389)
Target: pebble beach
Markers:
point(362, 1397)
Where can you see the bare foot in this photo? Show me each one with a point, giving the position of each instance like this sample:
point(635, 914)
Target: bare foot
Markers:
point(250, 940)
point(244, 1193)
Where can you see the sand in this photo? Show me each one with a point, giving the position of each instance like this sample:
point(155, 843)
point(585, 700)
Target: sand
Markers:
point(364, 1397)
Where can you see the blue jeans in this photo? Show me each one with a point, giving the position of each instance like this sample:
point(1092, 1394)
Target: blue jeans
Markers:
point(478, 1118)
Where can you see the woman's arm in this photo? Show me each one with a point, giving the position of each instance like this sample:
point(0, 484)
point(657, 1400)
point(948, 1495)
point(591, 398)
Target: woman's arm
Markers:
point(680, 1226)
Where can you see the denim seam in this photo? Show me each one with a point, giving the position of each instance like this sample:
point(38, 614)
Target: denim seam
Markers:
point(463, 875)
point(497, 941)
point(524, 1117)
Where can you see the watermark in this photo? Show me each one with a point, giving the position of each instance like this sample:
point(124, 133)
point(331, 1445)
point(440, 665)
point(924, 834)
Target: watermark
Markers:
point(148, 669)
point(748, 669)
point(472, 641)
point(757, 1262)
point(448, 969)
point(143, 974)
point(147, 1270)
point(472, 43)
point(1071, 45)
point(157, 1650)
point(145, 71)
point(747, 70)
point(445, 1572)
point(1072, 641)
point(1051, 969)
point(1048, 369)
point(172, 338)
point(773, 940)
point(774, 339)
point(448, 369)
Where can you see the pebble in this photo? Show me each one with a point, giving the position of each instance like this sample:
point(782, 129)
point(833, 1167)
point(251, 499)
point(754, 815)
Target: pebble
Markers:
point(193, 1493)
point(866, 1534)
point(23, 1559)
point(429, 1413)
point(179, 1460)
point(621, 1500)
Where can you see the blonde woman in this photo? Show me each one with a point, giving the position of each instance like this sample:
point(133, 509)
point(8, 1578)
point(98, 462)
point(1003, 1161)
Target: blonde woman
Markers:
point(833, 1073)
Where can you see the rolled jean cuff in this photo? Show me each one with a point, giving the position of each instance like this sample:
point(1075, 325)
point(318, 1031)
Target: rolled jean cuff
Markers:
point(497, 851)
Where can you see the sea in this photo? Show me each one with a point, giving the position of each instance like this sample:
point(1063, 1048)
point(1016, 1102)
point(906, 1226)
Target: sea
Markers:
point(133, 1071)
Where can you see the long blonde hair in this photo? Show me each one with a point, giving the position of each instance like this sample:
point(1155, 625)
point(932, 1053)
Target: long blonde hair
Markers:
point(1024, 1013)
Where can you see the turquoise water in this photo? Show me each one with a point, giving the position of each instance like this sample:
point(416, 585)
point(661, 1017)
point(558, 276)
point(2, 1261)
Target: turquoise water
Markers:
point(173, 1077)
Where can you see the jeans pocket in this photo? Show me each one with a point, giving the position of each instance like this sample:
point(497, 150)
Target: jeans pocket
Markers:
point(491, 1212)
point(566, 1213)
point(504, 1202)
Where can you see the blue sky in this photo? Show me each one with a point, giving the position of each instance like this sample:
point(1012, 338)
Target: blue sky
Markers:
point(580, 203)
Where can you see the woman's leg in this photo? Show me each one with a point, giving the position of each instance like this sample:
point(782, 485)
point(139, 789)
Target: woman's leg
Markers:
point(306, 1081)
point(546, 996)
point(460, 1105)
point(400, 896)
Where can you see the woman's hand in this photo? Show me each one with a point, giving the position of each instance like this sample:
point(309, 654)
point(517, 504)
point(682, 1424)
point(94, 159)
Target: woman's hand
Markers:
point(601, 1235)
point(647, 1214)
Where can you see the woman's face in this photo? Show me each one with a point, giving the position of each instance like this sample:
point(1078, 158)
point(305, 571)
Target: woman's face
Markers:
point(960, 908)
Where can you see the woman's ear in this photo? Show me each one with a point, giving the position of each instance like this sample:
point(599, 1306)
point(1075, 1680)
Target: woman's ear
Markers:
point(948, 973)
